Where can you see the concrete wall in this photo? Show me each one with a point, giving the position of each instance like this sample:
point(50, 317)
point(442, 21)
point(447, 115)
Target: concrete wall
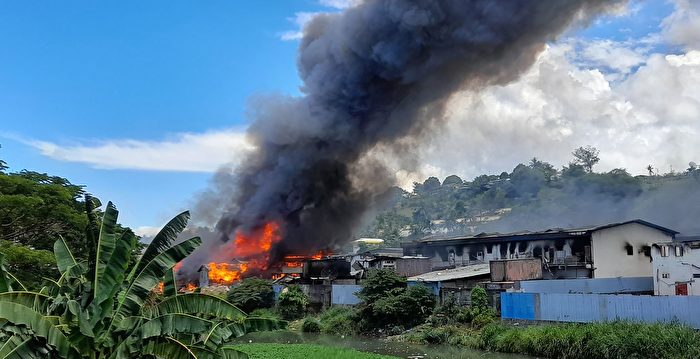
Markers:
point(609, 251)
point(585, 308)
point(587, 286)
point(673, 271)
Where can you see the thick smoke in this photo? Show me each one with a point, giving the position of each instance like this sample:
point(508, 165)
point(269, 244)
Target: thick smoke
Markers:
point(377, 75)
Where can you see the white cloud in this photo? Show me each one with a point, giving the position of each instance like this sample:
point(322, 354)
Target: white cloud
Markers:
point(186, 152)
point(613, 55)
point(299, 19)
point(146, 231)
point(340, 4)
point(683, 26)
point(649, 117)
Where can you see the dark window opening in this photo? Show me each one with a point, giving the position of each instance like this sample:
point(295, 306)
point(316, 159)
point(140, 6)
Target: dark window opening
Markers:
point(629, 249)
point(647, 251)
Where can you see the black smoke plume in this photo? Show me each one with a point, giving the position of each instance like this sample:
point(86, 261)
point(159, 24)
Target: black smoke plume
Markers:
point(377, 75)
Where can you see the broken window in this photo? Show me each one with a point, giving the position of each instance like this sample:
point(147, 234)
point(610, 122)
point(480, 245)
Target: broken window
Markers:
point(629, 249)
point(679, 251)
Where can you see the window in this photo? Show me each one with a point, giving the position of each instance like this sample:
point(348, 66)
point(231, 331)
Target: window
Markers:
point(664, 251)
point(629, 249)
point(679, 251)
point(665, 275)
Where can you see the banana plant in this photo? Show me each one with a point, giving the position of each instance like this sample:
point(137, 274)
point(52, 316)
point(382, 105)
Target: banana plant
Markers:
point(99, 309)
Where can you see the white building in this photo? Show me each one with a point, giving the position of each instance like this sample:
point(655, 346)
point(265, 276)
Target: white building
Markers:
point(606, 251)
point(676, 266)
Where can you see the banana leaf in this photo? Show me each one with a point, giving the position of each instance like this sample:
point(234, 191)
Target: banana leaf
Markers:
point(64, 257)
point(169, 284)
point(36, 301)
point(200, 305)
point(161, 242)
point(106, 243)
point(39, 324)
point(131, 300)
point(168, 348)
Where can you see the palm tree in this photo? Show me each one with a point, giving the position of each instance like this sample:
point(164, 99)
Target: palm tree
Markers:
point(100, 309)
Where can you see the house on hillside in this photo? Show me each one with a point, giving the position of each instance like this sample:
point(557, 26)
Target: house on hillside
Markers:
point(676, 266)
point(606, 251)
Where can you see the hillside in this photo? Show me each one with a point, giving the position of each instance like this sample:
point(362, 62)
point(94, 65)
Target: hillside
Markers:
point(537, 196)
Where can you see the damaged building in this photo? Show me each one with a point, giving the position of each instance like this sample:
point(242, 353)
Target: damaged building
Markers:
point(606, 251)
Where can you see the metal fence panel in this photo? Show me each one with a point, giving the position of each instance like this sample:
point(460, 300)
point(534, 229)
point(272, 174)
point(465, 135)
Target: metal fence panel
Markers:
point(344, 294)
point(587, 286)
point(584, 308)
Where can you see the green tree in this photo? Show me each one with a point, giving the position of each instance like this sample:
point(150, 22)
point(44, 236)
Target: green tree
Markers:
point(251, 294)
point(35, 209)
point(100, 309)
point(386, 301)
point(586, 157)
point(292, 303)
point(30, 265)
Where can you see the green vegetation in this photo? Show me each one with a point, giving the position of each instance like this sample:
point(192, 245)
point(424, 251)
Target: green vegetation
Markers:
point(303, 351)
point(292, 303)
point(35, 210)
point(311, 325)
point(251, 294)
point(339, 321)
point(103, 307)
point(616, 340)
point(31, 265)
point(603, 340)
point(387, 302)
point(535, 196)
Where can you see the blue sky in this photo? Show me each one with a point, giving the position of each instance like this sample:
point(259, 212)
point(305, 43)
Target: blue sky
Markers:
point(87, 75)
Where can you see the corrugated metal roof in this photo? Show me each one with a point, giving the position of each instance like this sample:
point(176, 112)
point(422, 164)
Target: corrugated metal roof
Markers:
point(551, 231)
point(451, 274)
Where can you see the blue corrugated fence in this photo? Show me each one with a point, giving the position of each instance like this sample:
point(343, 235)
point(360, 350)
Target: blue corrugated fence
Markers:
point(584, 308)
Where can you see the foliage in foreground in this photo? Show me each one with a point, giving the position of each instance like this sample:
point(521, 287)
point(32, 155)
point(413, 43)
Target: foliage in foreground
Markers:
point(99, 308)
point(339, 321)
point(303, 351)
point(617, 340)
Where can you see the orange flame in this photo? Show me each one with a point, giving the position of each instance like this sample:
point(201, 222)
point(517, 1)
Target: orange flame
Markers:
point(226, 274)
point(190, 287)
point(159, 288)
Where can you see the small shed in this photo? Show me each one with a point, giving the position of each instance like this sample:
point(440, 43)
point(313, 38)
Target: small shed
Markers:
point(457, 281)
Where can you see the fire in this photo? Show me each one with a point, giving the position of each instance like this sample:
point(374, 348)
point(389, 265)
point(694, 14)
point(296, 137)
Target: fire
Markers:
point(253, 247)
point(159, 288)
point(190, 287)
point(226, 274)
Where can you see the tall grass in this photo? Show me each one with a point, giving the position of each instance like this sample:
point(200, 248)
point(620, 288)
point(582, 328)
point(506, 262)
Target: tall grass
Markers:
point(597, 340)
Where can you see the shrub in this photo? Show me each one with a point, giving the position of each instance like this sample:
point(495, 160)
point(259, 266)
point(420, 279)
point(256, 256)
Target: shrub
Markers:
point(339, 321)
point(310, 325)
point(479, 298)
point(387, 302)
point(292, 303)
point(251, 294)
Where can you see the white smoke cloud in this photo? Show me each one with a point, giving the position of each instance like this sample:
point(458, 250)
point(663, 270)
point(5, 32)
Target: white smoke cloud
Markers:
point(186, 152)
point(651, 116)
